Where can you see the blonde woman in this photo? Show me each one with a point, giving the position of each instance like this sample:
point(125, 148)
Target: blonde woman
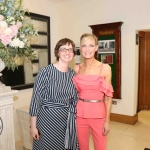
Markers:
point(93, 82)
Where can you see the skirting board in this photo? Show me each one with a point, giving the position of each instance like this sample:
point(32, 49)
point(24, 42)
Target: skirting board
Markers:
point(124, 119)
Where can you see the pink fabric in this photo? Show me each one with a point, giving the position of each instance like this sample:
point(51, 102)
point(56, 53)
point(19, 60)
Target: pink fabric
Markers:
point(91, 87)
point(83, 132)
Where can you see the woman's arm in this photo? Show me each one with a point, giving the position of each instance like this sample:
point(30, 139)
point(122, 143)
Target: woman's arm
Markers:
point(39, 85)
point(108, 100)
point(33, 130)
point(76, 68)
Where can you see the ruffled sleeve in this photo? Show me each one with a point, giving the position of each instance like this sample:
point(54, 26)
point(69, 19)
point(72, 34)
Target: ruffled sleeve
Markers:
point(107, 89)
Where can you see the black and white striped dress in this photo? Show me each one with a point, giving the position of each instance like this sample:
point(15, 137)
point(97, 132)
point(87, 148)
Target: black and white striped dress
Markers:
point(53, 102)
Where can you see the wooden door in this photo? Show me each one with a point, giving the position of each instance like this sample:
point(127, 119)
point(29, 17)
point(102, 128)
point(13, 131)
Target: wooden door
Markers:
point(144, 71)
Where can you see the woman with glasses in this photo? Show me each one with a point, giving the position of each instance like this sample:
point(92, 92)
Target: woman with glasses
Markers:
point(53, 103)
point(93, 82)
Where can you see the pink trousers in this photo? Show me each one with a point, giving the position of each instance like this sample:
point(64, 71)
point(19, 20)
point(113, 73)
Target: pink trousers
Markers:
point(84, 125)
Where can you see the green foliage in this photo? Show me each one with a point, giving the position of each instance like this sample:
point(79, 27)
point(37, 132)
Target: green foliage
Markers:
point(13, 13)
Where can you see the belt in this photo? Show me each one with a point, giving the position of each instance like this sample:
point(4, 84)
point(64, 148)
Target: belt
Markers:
point(70, 137)
point(92, 101)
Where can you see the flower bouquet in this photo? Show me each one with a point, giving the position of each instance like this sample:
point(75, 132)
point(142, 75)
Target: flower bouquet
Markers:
point(16, 31)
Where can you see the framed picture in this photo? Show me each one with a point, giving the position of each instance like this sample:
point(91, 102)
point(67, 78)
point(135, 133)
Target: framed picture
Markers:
point(107, 58)
point(78, 56)
point(23, 77)
point(106, 46)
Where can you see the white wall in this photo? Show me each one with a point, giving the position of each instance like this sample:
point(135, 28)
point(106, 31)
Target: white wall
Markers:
point(43, 7)
point(74, 20)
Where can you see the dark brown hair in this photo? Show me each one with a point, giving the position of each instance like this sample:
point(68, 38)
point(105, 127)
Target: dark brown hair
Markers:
point(86, 36)
point(61, 43)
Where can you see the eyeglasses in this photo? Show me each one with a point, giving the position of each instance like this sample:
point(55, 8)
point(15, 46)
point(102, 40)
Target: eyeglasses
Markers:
point(65, 50)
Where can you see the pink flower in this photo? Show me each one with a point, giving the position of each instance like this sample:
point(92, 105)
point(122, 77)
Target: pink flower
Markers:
point(8, 31)
point(14, 30)
point(19, 24)
point(5, 39)
point(1, 18)
point(2, 30)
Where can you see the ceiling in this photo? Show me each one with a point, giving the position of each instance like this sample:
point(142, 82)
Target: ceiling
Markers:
point(58, 1)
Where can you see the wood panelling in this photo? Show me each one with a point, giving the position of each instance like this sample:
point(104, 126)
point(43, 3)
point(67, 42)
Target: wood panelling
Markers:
point(124, 119)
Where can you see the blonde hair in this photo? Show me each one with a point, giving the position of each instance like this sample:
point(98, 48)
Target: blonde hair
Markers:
point(89, 36)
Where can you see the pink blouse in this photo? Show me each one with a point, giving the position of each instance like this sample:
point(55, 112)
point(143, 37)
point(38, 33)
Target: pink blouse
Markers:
point(92, 87)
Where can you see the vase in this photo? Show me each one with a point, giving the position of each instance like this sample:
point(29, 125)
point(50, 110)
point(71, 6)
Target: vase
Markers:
point(3, 88)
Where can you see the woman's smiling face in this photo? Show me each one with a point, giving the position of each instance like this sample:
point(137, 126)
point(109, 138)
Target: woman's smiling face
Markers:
point(88, 48)
point(66, 53)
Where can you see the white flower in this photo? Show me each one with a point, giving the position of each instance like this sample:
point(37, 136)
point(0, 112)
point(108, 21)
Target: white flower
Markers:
point(25, 40)
point(9, 18)
point(21, 44)
point(31, 32)
point(3, 24)
point(36, 32)
point(21, 17)
point(13, 22)
point(15, 42)
point(8, 31)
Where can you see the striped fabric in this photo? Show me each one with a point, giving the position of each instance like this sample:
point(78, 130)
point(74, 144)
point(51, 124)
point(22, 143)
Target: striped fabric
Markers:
point(53, 102)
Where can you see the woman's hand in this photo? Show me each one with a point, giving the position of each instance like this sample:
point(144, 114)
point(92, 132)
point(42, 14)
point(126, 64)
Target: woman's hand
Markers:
point(34, 133)
point(106, 128)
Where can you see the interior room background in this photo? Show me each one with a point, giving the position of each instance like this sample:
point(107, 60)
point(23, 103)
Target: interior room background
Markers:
point(72, 18)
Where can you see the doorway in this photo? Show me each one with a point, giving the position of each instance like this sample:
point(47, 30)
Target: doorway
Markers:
point(144, 71)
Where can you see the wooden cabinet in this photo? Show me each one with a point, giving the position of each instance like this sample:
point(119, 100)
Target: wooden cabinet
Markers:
point(109, 40)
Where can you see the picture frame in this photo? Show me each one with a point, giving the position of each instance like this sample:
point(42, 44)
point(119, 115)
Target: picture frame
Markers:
point(23, 77)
